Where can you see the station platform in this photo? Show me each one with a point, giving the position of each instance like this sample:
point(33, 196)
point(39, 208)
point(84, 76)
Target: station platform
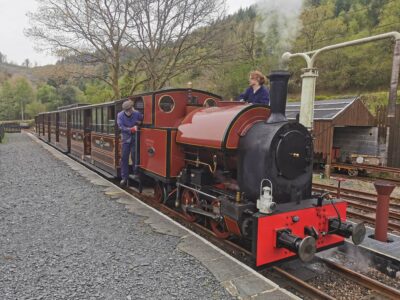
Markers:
point(390, 249)
point(68, 233)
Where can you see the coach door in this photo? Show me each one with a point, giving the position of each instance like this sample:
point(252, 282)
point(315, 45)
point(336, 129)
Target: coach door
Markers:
point(87, 130)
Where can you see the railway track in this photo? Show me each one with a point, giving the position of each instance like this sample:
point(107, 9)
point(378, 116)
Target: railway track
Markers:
point(360, 279)
point(355, 194)
point(244, 255)
point(239, 252)
point(365, 281)
point(301, 286)
point(364, 202)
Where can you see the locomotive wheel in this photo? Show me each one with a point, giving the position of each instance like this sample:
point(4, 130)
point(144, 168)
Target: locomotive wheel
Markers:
point(352, 172)
point(189, 198)
point(219, 228)
point(159, 192)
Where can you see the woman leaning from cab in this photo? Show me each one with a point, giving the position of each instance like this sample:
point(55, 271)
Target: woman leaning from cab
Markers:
point(257, 92)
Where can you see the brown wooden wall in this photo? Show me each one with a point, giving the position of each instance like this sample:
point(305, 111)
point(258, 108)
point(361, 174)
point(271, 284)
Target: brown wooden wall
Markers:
point(323, 137)
point(357, 114)
point(381, 115)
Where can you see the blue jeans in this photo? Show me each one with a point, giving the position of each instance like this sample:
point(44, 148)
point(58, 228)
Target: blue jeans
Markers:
point(127, 148)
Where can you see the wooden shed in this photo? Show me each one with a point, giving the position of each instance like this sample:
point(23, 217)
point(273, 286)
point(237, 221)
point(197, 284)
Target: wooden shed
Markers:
point(340, 126)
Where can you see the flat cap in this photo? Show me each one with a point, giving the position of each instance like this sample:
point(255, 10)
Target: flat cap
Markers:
point(127, 105)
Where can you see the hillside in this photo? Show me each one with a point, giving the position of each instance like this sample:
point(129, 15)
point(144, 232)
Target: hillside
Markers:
point(254, 38)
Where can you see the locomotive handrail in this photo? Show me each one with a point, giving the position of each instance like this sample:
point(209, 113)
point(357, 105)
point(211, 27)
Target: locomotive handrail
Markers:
point(198, 162)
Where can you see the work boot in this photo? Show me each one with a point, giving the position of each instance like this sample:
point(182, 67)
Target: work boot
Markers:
point(134, 177)
point(124, 182)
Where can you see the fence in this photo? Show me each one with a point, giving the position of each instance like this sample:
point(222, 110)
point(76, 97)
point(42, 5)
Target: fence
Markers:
point(12, 127)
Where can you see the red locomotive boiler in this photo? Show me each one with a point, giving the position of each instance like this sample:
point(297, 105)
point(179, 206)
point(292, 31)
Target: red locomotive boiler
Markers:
point(243, 169)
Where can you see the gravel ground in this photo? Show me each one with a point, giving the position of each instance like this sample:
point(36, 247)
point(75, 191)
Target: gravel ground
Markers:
point(339, 287)
point(62, 238)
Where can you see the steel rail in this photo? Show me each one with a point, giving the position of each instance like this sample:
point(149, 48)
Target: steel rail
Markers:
point(371, 220)
point(352, 192)
point(364, 280)
point(392, 214)
point(313, 291)
point(347, 197)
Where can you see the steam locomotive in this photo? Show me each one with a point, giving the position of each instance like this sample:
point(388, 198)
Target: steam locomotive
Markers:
point(244, 169)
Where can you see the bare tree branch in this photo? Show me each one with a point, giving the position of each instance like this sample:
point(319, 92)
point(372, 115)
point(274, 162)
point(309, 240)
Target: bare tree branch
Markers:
point(91, 31)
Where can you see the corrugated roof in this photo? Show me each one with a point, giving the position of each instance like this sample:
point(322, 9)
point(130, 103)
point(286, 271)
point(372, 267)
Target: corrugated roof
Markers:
point(323, 110)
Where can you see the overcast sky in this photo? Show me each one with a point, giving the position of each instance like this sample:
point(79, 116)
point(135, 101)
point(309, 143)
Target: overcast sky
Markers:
point(17, 47)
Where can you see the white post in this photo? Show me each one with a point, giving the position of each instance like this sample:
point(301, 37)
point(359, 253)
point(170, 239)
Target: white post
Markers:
point(308, 97)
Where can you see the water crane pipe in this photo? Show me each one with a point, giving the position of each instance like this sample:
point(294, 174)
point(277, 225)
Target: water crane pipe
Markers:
point(310, 74)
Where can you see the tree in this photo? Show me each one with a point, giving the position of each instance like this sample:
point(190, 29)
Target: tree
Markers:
point(319, 25)
point(34, 108)
point(171, 37)
point(70, 94)
point(8, 108)
point(15, 94)
point(96, 92)
point(246, 39)
point(90, 31)
point(23, 93)
point(26, 63)
point(3, 58)
point(47, 95)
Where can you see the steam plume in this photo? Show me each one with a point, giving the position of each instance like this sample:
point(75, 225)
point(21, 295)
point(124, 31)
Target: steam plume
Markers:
point(279, 23)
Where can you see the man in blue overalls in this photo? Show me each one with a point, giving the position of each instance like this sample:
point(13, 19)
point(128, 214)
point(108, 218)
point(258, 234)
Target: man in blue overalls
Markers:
point(128, 120)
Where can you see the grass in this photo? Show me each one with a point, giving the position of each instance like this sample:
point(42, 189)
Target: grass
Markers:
point(5, 139)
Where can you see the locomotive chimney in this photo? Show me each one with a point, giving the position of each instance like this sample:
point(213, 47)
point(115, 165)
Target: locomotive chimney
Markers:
point(278, 95)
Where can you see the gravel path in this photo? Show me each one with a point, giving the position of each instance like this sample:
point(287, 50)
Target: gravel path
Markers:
point(62, 238)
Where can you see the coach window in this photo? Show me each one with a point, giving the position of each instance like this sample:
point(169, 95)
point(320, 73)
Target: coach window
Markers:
point(111, 119)
point(82, 120)
point(105, 119)
point(166, 104)
point(79, 120)
point(138, 104)
point(99, 119)
point(76, 119)
point(93, 120)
